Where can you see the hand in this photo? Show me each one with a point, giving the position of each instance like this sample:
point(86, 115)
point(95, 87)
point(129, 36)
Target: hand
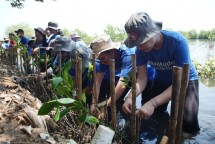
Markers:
point(93, 109)
point(36, 50)
point(109, 102)
point(146, 110)
point(126, 107)
point(42, 74)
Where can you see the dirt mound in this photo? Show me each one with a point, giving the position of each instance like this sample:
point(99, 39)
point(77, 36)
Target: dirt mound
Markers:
point(19, 121)
point(20, 100)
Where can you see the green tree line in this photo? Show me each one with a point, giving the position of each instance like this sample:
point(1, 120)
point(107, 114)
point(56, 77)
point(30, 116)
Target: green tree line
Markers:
point(116, 33)
point(203, 34)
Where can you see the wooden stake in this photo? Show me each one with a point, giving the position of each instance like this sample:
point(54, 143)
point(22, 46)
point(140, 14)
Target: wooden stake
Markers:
point(38, 60)
point(46, 69)
point(112, 93)
point(176, 85)
point(79, 84)
point(21, 61)
point(184, 84)
point(133, 110)
point(60, 62)
point(76, 76)
point(95, 95)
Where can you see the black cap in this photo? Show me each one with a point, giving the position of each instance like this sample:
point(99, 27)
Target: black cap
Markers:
point(19, 30)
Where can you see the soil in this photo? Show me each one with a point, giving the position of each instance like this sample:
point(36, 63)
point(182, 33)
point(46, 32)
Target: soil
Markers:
point(20, 99)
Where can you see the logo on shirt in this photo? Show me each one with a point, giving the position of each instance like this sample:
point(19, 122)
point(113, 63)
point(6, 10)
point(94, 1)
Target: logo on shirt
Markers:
point(162, 65)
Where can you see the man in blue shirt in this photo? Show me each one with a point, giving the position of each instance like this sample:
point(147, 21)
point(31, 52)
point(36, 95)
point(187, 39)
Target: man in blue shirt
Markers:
point(162, 50)
point(105, 49)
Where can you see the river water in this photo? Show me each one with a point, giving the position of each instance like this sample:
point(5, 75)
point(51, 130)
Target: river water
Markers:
point(200, 51)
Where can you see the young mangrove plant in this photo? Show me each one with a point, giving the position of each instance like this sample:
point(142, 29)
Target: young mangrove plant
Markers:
point(63, 86)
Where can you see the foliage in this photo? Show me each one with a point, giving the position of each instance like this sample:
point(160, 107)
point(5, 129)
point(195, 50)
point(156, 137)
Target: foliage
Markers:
point(127, 80)
point(206, 71)
point(85, 37)
point(192, 34)
point(66, 32)
point(20, 3)
point(29, 32)
point(117, 34)
point(63, 85)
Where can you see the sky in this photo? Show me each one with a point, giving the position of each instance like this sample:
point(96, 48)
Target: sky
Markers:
point(92, 16)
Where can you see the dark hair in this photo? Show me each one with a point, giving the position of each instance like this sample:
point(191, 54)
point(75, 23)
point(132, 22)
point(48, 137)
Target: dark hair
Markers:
point(60, 32)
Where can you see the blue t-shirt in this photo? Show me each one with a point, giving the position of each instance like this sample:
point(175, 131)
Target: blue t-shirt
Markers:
point(7, 45)
point(24, 40)
point(53, 37)
point(173, 52)
point(123, 63)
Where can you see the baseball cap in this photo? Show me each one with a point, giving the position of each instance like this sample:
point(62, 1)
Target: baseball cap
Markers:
point(19, 30)
point(140, 28)
point(103, 43)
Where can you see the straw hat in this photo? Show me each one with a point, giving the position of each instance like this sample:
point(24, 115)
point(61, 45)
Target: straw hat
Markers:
point(102, 44)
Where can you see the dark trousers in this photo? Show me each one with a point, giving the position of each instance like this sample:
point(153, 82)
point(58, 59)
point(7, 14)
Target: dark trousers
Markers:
point(191, 107)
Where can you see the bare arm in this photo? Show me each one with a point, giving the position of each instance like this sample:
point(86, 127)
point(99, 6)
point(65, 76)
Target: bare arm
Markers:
point(164, 97)
point(119, 89)
point(140, 86)
point(141, 80)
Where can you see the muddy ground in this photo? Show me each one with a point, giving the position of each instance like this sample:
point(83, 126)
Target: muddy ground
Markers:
point(20, 98)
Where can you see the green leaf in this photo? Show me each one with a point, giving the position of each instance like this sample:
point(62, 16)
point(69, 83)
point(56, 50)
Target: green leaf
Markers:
point(91, 120)
point(77, 106)
point(65, 111)
point(82, 117)
point(60, 90)
point(65, 101)
point(57, 114)
point(83, 96)
point(47, 107)
point(56, 81)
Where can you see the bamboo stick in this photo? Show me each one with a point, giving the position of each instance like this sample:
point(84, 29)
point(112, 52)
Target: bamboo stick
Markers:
point(46, 69)
point(95, 95)
point(33, 57)
point(133, 110)
point(76, 77)
point(38, 60)
point(26, 62)
point(79, 84)
point(138, 124)
point(176, 84)
point(112, 93)
point(60, 62)
point(184, 84)
point(21, 61)
point(17, 58)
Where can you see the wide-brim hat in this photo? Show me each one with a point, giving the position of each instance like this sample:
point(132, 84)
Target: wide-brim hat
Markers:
point(75, 35)
point(39, 29)
point(53, 25)
point(140, 28)
point(63, 43)
point(102, 44)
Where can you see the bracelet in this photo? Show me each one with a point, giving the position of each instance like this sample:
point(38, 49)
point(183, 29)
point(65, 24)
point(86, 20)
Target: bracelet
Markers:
point(153, 102)
point(126, 98)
